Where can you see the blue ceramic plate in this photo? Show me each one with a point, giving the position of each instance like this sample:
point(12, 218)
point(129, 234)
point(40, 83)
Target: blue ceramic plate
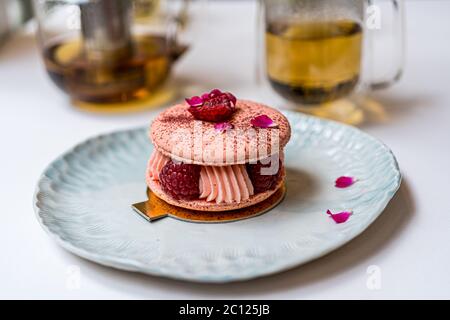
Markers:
point(83, 201)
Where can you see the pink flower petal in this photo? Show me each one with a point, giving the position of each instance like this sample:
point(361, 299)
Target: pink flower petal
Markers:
point(344, 182)
point(340, 217)
point(215, 92)
point(232, 98)
point(263, 121)
point(223, 126)
point(194, 101)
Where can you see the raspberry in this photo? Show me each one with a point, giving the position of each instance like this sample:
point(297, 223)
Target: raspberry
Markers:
point(262, 182)
point(180, 180)
point(216, 106)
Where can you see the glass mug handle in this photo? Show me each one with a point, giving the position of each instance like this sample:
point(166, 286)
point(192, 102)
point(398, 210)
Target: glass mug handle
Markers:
point(379, 72)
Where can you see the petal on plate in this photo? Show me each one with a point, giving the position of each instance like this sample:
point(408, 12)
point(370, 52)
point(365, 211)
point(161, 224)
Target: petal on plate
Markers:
point(340, 217)
point(344, 182)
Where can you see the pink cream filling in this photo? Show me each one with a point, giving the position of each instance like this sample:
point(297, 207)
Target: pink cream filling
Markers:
point(155, 164)
point(226, 184)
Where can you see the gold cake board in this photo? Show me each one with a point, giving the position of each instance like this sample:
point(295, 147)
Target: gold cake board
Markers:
point(154, 209)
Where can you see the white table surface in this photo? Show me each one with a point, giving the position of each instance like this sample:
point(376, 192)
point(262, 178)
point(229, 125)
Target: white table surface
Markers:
point(409, 244)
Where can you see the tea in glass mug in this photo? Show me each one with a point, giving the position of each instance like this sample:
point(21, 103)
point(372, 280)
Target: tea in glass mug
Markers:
point(317, 52)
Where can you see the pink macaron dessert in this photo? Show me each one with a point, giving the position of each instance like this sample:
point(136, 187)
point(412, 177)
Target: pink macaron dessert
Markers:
point(217, 153)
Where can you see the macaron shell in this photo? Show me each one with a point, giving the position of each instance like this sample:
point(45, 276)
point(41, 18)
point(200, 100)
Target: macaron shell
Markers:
point(202, 205)
point(176, 134)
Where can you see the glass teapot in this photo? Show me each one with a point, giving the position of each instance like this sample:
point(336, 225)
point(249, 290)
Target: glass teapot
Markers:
point(319, 55)
point(109, 51)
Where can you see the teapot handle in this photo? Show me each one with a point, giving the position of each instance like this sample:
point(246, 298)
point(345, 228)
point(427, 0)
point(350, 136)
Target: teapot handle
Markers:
point(177, 20)
point(386, 68)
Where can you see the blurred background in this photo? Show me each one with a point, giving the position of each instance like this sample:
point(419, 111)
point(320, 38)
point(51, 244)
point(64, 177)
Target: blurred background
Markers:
point(13, 14)
point(319, 57)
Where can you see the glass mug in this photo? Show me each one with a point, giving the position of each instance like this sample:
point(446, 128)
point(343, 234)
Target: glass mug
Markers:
point(319, 54)
point(106, 53)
